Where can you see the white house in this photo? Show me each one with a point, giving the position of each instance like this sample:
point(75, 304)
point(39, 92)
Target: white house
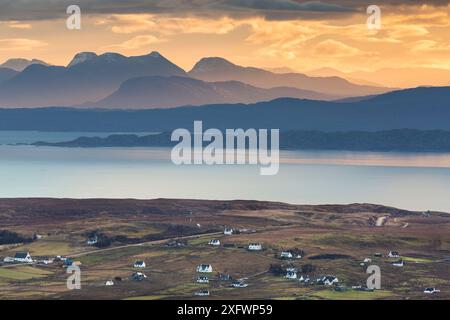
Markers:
point(398, 263)
point(139, 264)
point(255, 247)
point(291, 275)
point(239, 284)
point(45, 260)
point(214, 242)
point(290, 269)
point(92, 240)
point(202, 279)
point(202, 293)
point(303, 279)
point(109, 283)
point(328, 280)
point(378, 255)
point(23, 257)
point(204, 268)
point(431, 290)
point(393, 254)
point(228, 231)
point(8, 259)
point(139, 276)
point(286, 255)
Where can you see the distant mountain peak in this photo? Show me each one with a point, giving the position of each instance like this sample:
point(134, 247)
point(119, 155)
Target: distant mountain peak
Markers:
point(19, 64)
point(155, 54)
point(82, 57)
point(212, 63)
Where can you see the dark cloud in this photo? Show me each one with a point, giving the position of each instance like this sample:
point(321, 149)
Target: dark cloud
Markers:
point(285, 5)
point(270, 9)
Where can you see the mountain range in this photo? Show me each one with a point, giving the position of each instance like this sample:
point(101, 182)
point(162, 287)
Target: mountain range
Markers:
point(391, 77)
point(424, 108)
point(107, 80)
point(157, 91)
point(19, 64)
point(219, 69)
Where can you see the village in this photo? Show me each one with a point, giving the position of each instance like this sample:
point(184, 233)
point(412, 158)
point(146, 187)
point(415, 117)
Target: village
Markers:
point(245, 261)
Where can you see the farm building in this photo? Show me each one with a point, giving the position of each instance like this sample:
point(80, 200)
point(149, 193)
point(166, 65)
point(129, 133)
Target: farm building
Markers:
point(214, 242)
point(255, 247)
point(393, 254)
point(202, 279)
point(139, 264)
point(204, 268)
point(228, 231)
point(23, 257)
point(327, 280)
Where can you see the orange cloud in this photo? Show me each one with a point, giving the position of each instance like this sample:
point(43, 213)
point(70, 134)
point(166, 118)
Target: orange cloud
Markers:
point(19, 25)
point(20, 44)
point(333, 48)
point(135, 43)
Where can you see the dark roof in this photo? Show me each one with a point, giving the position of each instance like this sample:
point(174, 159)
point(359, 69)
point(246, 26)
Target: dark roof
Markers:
point(21, 255)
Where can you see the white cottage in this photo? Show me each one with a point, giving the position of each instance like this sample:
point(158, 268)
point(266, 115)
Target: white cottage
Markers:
point(228, 231)
point(204, 268)
point(139, 264)
point(214, 242)
point(23, 257)
point(202, 293)
point(239, 284)
point(398, 263)
point(202, 279)
point(286, 255)
point(393, 254)
point(255, 247)
point(431, 290)
point(92, 240)
point(328, 280)
point(291, 275)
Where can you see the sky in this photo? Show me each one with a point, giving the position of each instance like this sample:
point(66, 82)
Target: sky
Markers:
point(300, 35)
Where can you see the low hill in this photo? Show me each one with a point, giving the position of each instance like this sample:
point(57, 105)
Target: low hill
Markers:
point(163, 92)
point(420, 108)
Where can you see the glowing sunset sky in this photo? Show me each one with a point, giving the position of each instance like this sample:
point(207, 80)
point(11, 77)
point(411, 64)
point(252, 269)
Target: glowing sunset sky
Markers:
point(301, 35)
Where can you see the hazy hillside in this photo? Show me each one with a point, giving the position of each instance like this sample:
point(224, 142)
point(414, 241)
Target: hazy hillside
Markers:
point(19, 64)
point(6, 74)
point(392, 140)
point(392, 77)
point(149, 92)
point(219, 69)
point(421, 108)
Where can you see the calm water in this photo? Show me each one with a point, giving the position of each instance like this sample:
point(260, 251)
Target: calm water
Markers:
point(405, 180)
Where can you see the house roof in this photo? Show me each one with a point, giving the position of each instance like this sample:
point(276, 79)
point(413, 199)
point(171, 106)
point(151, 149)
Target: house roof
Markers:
point(21, 255)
